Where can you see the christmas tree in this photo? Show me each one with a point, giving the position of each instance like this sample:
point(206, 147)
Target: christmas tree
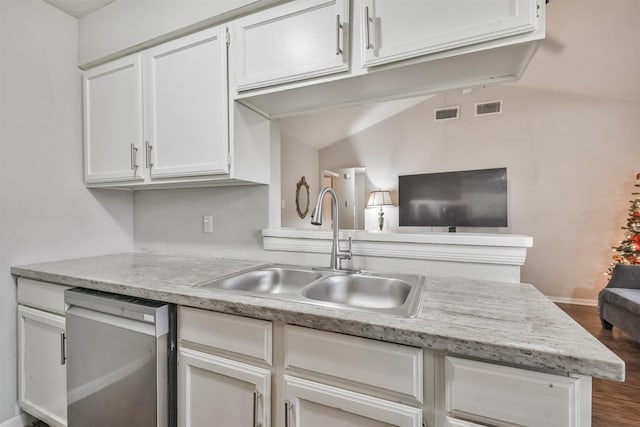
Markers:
point(628, 251)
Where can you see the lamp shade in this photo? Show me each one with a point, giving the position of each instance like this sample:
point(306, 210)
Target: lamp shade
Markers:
point(379, 198)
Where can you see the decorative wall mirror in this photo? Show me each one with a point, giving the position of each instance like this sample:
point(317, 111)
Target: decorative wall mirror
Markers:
point(302, 197)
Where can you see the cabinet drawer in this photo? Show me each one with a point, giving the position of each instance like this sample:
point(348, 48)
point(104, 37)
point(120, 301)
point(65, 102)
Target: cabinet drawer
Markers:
point(42, 295)
point(486, 392)
point(387, 366)
point(235, 334)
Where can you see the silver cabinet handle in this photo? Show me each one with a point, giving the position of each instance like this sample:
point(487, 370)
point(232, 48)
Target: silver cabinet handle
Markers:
point(256, 395)
point(338, 28)
point(367, 28)
point(148, 147)
point(134, 155)
point(287, 410)
point(63, 349)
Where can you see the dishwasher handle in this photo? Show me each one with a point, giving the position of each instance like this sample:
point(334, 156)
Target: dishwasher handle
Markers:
point(109, 319)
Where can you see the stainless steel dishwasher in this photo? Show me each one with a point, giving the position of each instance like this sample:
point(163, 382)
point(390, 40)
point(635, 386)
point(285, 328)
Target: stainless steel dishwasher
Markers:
point(121, 360)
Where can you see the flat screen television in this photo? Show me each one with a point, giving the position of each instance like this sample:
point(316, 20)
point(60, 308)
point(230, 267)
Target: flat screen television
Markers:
point(474, 198)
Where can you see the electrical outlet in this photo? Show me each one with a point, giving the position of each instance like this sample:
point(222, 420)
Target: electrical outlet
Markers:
point(207, 224)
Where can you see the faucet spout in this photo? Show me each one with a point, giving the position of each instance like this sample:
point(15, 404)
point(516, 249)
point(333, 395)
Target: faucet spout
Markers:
point(316, 219)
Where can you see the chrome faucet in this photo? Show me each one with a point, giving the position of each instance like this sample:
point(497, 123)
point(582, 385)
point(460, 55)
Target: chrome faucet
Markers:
point(337, 255)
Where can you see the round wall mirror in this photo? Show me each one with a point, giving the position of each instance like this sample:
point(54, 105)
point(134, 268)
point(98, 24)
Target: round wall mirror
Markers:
point(302, 197)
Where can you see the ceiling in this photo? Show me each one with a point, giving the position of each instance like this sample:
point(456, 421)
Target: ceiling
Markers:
point(320, 130)
point(79, 8)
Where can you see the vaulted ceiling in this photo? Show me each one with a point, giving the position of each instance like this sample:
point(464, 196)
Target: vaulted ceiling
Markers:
point(79, 8)
point(320, 130)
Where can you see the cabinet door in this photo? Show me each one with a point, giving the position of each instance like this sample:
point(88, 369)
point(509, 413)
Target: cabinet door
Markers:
point(216, 391)
point(187, 106)
point(113, 127)
point(311, 404)
point(396, 30)
point(42, 383)
point(297, 41)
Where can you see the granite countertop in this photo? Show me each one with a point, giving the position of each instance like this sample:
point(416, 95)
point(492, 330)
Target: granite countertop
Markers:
point(502, 322)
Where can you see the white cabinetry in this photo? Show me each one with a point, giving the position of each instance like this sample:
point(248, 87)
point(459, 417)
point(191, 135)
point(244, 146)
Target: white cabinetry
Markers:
point(162, 117)
point(227, 364)
point(113, 131)
point(312, 404)
point(490, 394)
point(394, 30)
point(42, 382)
point(221, 391)
point(187, 112)
point(296, 41)
point(347, 372)
point(398, 49)
point(217, 388)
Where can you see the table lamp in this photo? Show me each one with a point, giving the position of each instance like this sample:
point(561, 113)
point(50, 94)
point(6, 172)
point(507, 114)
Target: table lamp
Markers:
point(379, 198)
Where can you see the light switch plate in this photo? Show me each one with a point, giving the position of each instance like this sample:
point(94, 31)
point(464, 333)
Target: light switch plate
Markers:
point(207, 224)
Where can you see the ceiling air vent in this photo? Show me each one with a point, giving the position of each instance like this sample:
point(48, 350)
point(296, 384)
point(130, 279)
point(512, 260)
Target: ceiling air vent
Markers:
point(493, 107)
point(447, 113)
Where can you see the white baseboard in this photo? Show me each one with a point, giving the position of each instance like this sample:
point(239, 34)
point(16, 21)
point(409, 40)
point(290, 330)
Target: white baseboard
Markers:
point(21, 420)
point(577, 301)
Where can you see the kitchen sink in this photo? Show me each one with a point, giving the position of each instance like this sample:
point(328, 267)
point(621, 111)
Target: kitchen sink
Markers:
point(269, 280)
point(360, 291)
point(392, 294)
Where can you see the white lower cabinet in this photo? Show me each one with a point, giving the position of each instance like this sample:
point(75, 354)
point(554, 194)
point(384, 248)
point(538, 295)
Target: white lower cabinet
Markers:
point(224, 370)
point(236, 371)
point(341, 380)
point(495, 395)
point(214, 390)
point(312, 404)
point(42, 374)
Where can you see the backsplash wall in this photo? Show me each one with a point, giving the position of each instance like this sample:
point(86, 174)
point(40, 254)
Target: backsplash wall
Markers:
point(170, 221)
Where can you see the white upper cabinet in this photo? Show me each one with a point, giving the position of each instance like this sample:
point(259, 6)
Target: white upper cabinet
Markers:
point(187, 115)
point(113, 121)
point(395, 30)
point(163, 118)
point(299, 40)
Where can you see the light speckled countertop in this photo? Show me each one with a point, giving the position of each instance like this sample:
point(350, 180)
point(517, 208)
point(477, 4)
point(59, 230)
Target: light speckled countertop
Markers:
point(502, 322)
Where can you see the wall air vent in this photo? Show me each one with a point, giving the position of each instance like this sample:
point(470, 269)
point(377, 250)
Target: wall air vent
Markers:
point(447, 113)
point(493, 107)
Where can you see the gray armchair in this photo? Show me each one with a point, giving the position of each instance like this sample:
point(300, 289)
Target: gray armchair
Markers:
point(619, 301)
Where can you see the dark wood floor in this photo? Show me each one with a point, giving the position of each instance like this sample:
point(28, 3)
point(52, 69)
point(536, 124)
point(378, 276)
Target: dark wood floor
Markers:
point(615, 404)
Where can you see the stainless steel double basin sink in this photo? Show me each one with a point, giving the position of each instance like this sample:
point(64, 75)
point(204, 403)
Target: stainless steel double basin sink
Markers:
point(392, 294)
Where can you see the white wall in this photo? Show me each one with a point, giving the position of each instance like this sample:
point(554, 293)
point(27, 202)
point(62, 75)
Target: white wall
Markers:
point(297, 160)
point(46, 213)
point(569, 136)
point(170, 221)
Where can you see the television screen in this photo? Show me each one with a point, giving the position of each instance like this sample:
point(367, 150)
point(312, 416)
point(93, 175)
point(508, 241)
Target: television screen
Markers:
point(476, 198)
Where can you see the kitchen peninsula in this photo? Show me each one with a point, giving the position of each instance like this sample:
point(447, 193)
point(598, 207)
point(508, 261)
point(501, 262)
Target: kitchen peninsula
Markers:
point(502, 325)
